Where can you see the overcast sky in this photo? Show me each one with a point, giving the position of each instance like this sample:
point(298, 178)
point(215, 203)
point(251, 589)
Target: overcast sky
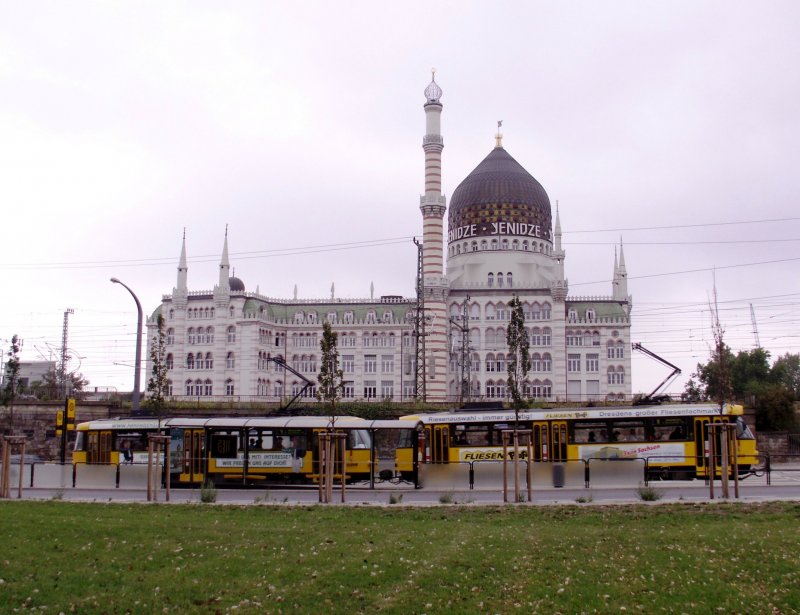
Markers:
point(299, 125)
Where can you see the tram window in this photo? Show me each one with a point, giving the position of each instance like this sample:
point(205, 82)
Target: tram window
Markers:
point(471, 435)
point(588, 432)
point(629, 431)
point(137, 441)
point(742, 430)
point(358, 438)
point(670, 429)
point(224, 446)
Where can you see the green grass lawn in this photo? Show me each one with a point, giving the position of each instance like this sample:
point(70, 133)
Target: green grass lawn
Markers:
point(112, 558)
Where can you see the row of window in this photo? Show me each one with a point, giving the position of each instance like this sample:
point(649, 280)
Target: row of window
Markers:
point(466, 247)
point(497, 336)
point(348, 318)
point(198, 312)
point(500, 311)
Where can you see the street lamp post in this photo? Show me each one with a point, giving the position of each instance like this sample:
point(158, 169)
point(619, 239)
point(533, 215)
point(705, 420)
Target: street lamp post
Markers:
point(137, 364)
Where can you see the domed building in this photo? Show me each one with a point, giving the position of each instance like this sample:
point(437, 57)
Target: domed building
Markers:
point(446, 345)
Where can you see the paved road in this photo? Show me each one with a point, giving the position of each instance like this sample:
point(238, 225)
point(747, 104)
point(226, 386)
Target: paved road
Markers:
point(785, 485)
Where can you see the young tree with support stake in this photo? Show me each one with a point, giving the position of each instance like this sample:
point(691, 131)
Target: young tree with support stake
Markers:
point(157, 384)
point(9, 393)
point(518, 365)
point(330, 388)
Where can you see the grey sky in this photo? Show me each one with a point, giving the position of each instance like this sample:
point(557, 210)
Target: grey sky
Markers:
point(300, 124)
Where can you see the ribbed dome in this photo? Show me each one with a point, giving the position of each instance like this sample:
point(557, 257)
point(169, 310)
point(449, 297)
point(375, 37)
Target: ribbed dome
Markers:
point(499, 190)
point(236, 285)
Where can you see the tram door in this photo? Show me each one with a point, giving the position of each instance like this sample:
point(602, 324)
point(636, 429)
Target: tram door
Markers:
point(99, 447)
point(438, 443)
point(549, 441)
point(558, 435)
point(703, 447)
point(193, 456)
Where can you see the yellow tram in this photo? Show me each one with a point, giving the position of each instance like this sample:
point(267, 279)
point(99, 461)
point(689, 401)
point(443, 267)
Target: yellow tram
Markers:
point(672, 440)
point(252, 450)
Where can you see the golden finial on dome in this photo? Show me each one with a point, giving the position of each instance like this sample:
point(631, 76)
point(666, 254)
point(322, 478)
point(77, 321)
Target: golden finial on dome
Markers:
point(498, 138)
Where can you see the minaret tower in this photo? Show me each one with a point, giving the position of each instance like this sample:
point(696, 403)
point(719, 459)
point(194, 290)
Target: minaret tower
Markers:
point(560, 285)
point(222, 291)
point(180, 293)
point(433, 206)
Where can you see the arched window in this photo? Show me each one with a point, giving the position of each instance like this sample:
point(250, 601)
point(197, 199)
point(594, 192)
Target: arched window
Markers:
point(490, 280)
point(171, 314)
point(546, 311)
point(230, 361)
point(494, 244)
point(536, 336)
point(490, 364)
point(515, 244)
point(536, 362)
point(458, 249)
point(474, 246)
point(475, 338)
point(190, 337)
point(232, 312)
point(210, 335)
point(484, 245)
point(509, 280)
point(546, 336)
point(209, 361)
point(491, 338)
point(229, 388)
point(208, 387)
point(169, 388)
point(501, 363)
point(170, 361)
point(198, 387)
point(190, 361)
point(491, 312)
point(231, 334)
point(612, 375)
point(475, 312)
point(170, 336)
point(525, 246)
point(189, 387)
point(499, 279)
point(504, 244)
point(547, 362)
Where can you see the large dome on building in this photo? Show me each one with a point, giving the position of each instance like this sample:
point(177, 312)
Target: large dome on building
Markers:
point(497, 193)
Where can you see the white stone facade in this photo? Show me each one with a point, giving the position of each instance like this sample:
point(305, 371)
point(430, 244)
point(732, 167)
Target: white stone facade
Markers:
point(220, 341)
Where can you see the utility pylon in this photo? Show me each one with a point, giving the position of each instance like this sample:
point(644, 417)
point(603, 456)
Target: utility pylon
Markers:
point(64, 357)
point(419, 331)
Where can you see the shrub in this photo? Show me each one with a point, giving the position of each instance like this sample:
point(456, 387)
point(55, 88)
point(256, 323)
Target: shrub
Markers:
point(208, 492)
point(446, 498)
point(649, 494)
point(395, 498)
